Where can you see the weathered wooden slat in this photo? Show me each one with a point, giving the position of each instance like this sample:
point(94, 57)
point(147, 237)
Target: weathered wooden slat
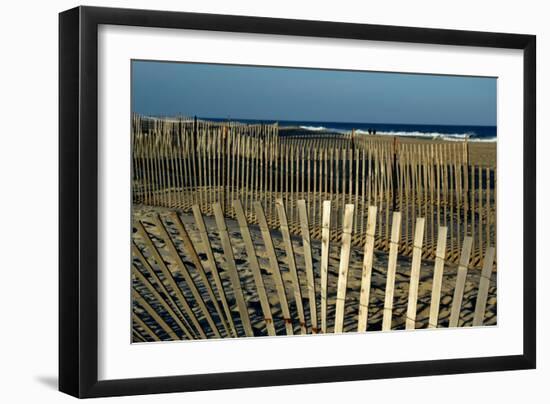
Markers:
point(169, 277)
point(483, 290)
point(153, 314)
point(460, 281)
point(150, 333)
point(480, 210)
point(356, 195)
point(363, 200)
point(145, 282)
point(488, 217)
point(472, 208)
point(199, 222)
point(316, 192)
point(415, 273)
point(232, 270)
point(368, 252)
point(392, 263)
point(308, 258)
point(185, 272)
point(274, 267)
point(325, 249)
point(337, 189)
point(136, 252)
point(343, 268)
point(190, 249)
point(254, 267)
point(137, 337)
point(291, 262)
point(438, 277)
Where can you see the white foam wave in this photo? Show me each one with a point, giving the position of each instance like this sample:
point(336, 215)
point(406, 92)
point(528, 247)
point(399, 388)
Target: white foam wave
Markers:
point(324, 129)
point(313, 128)
point(457, 137)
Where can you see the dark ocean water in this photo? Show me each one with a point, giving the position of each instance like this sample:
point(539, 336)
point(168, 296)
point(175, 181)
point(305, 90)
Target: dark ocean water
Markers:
point(447, 132)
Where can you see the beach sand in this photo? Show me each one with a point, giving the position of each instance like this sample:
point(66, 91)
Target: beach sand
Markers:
point(482, 154)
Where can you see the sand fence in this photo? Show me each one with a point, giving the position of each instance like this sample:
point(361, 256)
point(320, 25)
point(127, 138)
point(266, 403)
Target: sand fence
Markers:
point(178, 163)
point(189, 283)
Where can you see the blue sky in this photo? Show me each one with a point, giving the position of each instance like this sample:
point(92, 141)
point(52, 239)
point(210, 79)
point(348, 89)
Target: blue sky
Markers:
point(250, 92)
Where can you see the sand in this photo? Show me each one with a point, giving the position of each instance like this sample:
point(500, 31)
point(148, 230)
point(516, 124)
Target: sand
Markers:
point(482, 154)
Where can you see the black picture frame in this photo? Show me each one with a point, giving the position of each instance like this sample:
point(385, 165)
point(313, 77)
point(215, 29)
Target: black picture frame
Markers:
point(78, 201)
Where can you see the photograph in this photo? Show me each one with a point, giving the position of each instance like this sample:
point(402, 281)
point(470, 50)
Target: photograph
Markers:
point(273, 201)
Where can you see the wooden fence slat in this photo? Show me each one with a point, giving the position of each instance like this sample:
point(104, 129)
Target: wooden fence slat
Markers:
point(343, 268)
point(232, 270)
point(319, 177)
point(415, 273)
point(488, 217)
point(190, 249)
point(308, 258)
point(153, 314)
point(274, 264)
point(169, 277)
point(362, 320)
point(480, 208)
point(363, 200)
point(484, 281)
point(460, 282)
point(438, 277)
point(147, 283)
point(392, 263)
point(254, 266)
point(136, 252)
point(199, 222)
point(186, 275)
point(325, 249)
point(145, 327)
point(291, 262)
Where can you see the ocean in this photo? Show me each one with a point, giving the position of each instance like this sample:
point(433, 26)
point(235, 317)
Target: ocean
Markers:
point(444, 132)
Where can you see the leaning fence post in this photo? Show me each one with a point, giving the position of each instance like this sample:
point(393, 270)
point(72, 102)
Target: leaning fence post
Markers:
point(190, 249)
point(344, 268)
point(392, 263)
point(291, 263)
point(164, 303)
point(306, 240)
point(438, 277)
point(136, 253)
point(169, 277)
point(415, 273)
point(232, 269)
point(484, 280)
point(186, 275)
point(207, 248)
point(367, 271)
point(254, 266)
point(276, 271)
point(325, 247)
point(460, 281)
point(153, 314)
